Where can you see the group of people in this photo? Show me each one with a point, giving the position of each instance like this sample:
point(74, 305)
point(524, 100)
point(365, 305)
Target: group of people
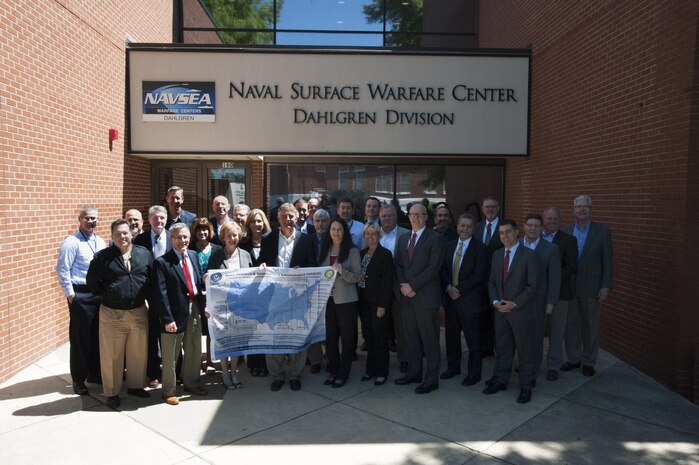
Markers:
point(138, 303)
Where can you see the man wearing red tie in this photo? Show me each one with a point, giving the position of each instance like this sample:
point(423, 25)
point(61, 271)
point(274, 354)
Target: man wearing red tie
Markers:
point(178, 301)
point(512, 288)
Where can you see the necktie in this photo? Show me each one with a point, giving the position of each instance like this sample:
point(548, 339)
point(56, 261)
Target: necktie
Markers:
point(506, 266)
point(188, 277)
point(489, 234)
point(457, 264)
point(411, 246)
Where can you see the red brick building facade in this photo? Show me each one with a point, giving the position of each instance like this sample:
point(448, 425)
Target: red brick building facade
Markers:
point(614, 114)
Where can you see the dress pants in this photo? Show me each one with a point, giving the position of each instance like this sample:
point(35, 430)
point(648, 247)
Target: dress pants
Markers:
point(377, 344)
point(83, 332)
point(123, 334)
point(471, 325)
point(558, 319)
point(173, 343)
point(582, 331)
point(153, 367)
point(280, 365)
point(421, 326)
point(398, 330)
point(511, 335)
point(340, 324)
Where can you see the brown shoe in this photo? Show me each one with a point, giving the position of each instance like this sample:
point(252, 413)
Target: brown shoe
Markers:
point(196, 390)
point(552, 375)
point(171, 400)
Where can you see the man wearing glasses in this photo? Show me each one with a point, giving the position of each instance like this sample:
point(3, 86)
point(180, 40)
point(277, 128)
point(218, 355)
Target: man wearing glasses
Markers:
point(418, 260)
point(593, 283)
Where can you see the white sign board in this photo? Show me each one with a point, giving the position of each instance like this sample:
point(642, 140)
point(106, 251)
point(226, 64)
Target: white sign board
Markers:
point(327, 102)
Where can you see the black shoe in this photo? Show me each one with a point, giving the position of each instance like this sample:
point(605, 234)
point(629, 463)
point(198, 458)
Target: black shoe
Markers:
point(491, 381)
point(495, 388)
point(525, 395)
point(587, 370)
point(295, 384)
point(426, 389)
point(113, 402)
point(404, 381)
point(363, 347)
point(277, 385)
point(80, 389)
point(403, 367)
point(315, 368)
point(569, 366)
point(138, 393)
point(470, 380)
point(339, 382)
point(329, 381)
point(379, 381)
point(450, 373)
point(366, 378)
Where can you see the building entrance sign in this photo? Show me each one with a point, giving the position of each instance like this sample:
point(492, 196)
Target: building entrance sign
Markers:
point(308, 101)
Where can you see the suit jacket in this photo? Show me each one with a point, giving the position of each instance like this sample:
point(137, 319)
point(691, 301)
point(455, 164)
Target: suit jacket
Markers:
point(422, 273)
point(345, 286)
point(171, 295)
point(303, 255)
point(185, 217)
point(218, 257)
point(521, 284)
point(310, 229)
point(144, 240)
point(595, 263)
point(549, 266)
point(396, 285)
point(568, 248)
point(246, 245)
point(379, 278)
point(495, 242)
point(472, 275)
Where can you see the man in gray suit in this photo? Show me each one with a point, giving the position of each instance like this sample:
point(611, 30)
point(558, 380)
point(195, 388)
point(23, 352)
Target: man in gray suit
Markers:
point(418, 260)
point(512, 288)
point(549, 280)
point(389, 239)
point(593, 283)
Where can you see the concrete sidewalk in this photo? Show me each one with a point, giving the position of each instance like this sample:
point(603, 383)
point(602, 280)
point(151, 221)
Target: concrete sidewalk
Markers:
point(618, 416)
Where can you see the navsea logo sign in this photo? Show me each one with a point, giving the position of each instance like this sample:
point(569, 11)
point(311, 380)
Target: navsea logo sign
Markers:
point(179, 102)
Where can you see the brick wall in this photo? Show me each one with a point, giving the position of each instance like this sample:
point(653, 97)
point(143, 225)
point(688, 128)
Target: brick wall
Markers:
point(62, 86)
point(613, 87)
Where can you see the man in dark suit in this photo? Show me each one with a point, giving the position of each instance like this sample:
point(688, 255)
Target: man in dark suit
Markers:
point(302, 223)
point(568, 249)
point(592, 285)
point(418, 260)
point(157, 242)
point(175, 214)
point(389, 240)
point(512, 289)
point(287, 248)
point(462, 276)
point(487, 233)
point(444, 223)
point(549, 280)
point(178, 301)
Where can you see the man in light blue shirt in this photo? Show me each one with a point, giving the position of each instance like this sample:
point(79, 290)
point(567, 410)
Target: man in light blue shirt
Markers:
point(74, 257)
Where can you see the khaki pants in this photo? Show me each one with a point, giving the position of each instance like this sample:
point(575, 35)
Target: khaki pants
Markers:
point(171, 344)
point(123, 334)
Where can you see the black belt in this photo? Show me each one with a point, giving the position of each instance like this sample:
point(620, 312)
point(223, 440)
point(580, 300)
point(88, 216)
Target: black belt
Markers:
point(81, 288)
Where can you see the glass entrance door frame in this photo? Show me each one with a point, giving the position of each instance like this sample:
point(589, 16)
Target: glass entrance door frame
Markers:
point(199, 201)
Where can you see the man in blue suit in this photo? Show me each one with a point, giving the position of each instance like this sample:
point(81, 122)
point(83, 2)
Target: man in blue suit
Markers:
point(178, 300)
